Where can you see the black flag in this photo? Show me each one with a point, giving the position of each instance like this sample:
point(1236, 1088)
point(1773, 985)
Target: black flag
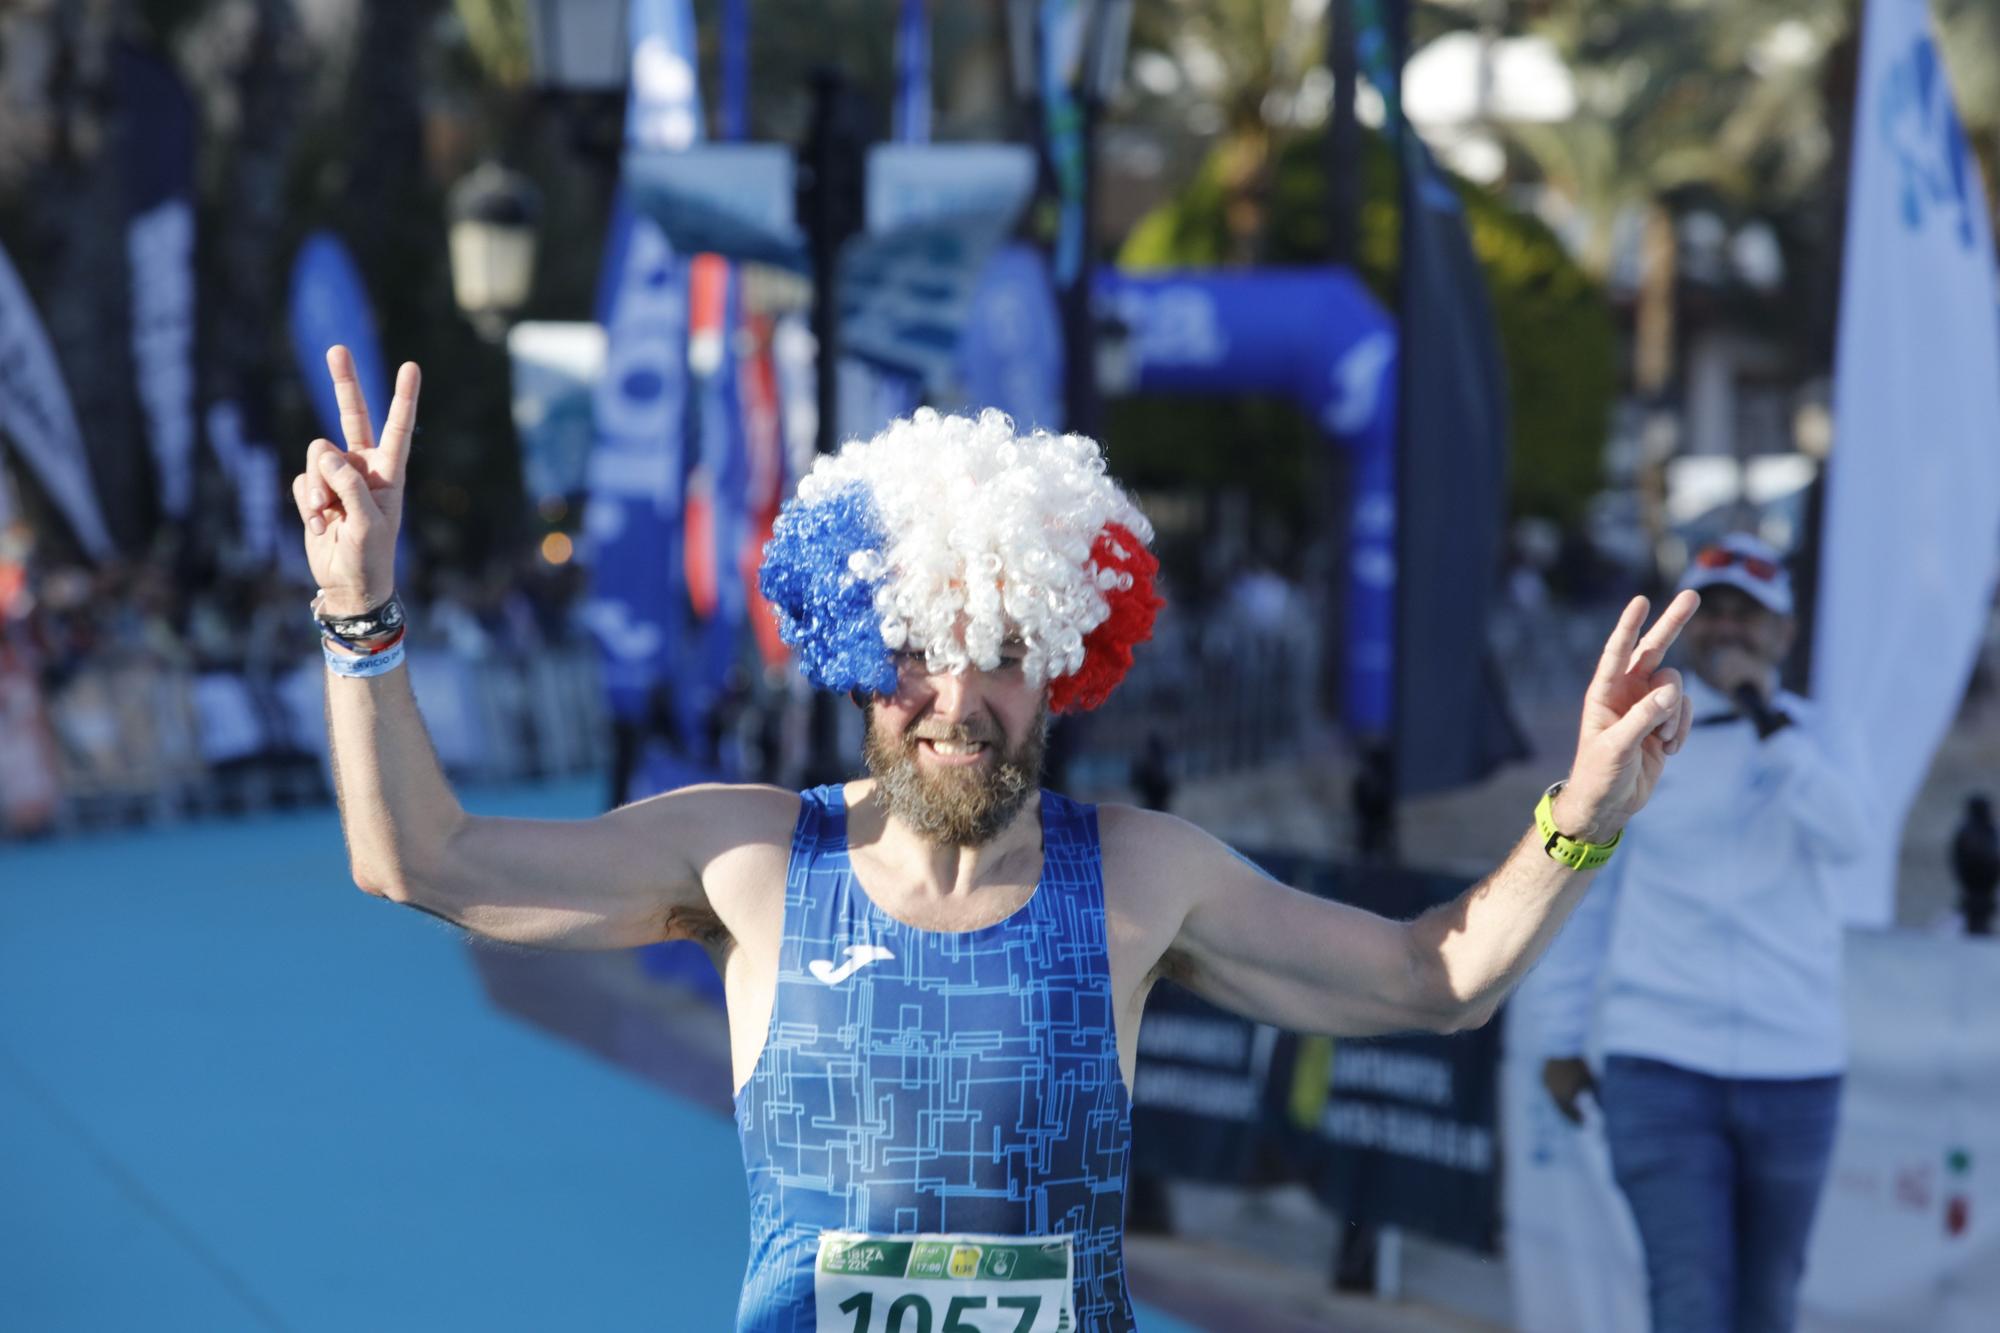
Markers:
point(1453, 725)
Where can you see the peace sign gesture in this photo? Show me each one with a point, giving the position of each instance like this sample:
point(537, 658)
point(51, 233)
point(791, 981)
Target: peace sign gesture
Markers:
point(1634, 715)
point(352, 503)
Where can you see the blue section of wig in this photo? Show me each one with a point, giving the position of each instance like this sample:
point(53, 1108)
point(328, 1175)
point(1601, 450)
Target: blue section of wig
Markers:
point(826, 612)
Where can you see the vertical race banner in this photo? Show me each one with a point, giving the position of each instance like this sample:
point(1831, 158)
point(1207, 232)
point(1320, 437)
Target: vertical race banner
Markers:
point(1912, 520)
point(638, 608)
point(329, 304)
point(159, 241)
point(38, 419)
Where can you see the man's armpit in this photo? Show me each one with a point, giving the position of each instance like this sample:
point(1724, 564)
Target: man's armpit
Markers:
point(698, 924)
point(1177, 966)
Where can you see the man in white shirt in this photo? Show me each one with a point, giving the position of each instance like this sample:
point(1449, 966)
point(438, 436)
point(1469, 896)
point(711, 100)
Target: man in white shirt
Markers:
point(1705, 972)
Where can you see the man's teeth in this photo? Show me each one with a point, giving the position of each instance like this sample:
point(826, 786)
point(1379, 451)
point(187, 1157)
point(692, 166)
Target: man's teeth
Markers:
point(957, 747)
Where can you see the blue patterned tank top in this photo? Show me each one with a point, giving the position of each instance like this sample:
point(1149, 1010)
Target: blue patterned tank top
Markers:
point(932, 1081)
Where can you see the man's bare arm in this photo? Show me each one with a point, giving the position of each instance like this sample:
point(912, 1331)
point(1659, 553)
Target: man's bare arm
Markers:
point(626, 878)
point(1283, 957)
point(630, 877)
point(1268, 951)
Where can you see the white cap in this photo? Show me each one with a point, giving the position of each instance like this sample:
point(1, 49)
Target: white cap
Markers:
point(1740, 561)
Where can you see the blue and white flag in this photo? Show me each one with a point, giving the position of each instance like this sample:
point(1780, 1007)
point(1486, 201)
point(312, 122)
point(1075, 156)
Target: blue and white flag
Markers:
point(638, 605)
point(1912, 518)
point(38, 419)
point(160, 125)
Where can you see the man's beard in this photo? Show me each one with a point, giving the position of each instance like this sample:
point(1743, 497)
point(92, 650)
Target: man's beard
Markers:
point(956, 807)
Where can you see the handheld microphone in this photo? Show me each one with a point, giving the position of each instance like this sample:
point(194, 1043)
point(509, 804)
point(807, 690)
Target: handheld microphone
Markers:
point(1752, 704)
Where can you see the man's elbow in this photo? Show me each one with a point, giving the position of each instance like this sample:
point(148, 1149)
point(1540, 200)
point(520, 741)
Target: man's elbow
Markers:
point(382, 886)
point(405, 870)
point(1436, 1005)
point(1466, 1016)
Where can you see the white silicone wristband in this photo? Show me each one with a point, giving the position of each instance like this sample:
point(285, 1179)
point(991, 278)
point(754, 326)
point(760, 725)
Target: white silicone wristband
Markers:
point(376, 664)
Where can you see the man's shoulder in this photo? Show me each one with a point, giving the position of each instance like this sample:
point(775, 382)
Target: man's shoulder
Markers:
point(1150, 846)
point(736, 813)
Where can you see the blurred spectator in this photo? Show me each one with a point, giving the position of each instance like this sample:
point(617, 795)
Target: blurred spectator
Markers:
point(1704, 969)
point(1260, 598)
point(169, 687)
point(1975, 861)
point(1153, 774)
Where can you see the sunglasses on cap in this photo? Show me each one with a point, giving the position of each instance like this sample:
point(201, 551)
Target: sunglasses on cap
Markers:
point(1721, 557)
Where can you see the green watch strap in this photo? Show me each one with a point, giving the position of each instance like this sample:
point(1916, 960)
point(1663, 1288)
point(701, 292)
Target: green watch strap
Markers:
point(1575, 854)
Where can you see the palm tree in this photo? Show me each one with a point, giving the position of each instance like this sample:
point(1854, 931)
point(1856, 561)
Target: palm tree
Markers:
point(1237, 77)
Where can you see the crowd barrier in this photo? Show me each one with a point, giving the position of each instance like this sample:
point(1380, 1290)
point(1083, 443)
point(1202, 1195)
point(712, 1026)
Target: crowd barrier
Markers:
point(134, 740)
point(1908, 1233)
point(1221, 695)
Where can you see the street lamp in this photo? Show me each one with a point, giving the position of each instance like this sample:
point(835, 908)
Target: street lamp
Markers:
point(492, 214)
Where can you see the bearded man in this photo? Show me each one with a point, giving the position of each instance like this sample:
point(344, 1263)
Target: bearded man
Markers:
point(935, 974)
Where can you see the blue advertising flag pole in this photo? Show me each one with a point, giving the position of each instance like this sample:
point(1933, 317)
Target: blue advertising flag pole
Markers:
point(913, 74)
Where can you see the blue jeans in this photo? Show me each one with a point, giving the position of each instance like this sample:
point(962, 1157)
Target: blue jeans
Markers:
point(1723, 1176)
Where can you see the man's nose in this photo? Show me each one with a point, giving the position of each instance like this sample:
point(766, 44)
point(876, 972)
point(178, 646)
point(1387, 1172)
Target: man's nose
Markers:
point(951, 696)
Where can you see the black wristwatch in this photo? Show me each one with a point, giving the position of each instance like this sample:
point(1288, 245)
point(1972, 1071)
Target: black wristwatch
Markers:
point(378, 622)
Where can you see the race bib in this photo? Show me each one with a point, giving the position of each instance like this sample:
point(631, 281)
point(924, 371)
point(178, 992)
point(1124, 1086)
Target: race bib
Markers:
point(943, 1284)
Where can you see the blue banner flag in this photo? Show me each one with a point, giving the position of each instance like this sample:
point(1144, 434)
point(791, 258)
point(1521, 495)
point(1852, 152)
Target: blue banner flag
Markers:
point(632, 520)
point(632, 523)
point(329, 305)
point(160, 124)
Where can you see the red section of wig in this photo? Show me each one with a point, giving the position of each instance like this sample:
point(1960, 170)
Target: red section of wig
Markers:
point(1107, 650)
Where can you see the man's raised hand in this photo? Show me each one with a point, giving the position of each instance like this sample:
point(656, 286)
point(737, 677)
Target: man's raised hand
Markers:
point(352, 502)
point(1635, 714)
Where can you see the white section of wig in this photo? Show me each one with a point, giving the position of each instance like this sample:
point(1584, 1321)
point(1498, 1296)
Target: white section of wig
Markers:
point(990, 537)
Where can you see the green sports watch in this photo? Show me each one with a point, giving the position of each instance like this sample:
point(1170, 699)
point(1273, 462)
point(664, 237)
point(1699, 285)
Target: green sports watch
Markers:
point(1571, 852)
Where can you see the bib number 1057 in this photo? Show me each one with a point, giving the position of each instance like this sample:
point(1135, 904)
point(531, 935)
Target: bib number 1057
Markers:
point(913, 1313)
point(943, 1284)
